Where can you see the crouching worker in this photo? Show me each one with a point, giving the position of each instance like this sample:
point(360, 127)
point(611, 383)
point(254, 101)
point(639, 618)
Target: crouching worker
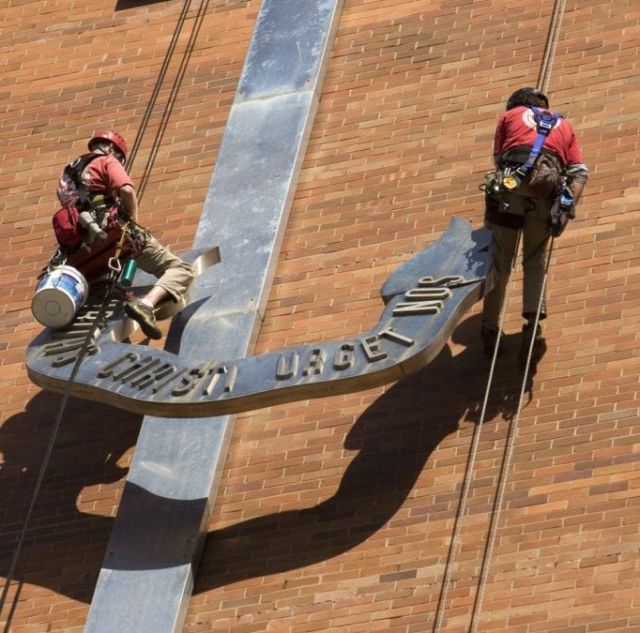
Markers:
point(98, 199)
point(540, 176)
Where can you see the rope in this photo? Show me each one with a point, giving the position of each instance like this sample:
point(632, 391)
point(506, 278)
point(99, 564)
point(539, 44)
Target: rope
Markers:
point(542, 83)
point(550, 47)
point(164, 121)
point(159, 81)
point(101, 312)
point(471, 459)
point(52, 440)
point(506, 464)
point(476, 614)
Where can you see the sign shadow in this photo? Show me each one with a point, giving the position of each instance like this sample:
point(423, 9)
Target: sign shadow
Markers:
point(394, 439)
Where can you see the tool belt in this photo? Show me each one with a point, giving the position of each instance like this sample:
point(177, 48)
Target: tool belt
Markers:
point(542, 180)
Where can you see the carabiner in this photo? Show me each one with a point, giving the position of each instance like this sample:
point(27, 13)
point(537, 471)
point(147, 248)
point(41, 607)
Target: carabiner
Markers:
point(115, 265)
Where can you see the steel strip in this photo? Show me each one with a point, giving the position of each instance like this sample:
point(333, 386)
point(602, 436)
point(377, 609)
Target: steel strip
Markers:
point(147, 575)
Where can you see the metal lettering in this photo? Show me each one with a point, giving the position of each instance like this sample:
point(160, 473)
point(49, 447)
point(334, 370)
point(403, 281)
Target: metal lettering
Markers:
point(135, 370)
point(315, 364)
point(174, 374)
point(129, 357)
point(149, 377)
point(60, 361)
point(64, 345)
point(231, 379)
point(419, 294)
point(215, 377)
point(189, 381)
point(344, 357)
point(216, 373)
point(428, 282)
point(421, 307)
point(287, 367)
point(390, 333)
point(371, 346)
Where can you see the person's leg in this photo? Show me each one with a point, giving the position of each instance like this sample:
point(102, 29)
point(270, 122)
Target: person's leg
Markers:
point(502, 251)
point(536, 238)
point(174, 278)
point(534, 257)
point(174, 275)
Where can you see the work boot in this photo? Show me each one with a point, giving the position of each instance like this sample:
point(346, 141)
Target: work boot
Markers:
point(143, 314)
point(539, 344)
point(489, 336)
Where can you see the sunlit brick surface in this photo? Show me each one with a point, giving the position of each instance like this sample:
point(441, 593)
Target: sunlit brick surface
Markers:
point(337, 514)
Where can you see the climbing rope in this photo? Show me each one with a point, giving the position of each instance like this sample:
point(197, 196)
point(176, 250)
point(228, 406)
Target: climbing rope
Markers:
point(550, 46)
point(51, 442)
point(115, 269)
point(151, 103)
point(164, 120)
point(543, 78)
point(456, 543)
point(506, 463)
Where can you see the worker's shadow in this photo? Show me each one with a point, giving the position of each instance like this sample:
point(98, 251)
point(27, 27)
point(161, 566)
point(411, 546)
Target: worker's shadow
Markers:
point(64, 546)
point(394, 439)
point(392, 442)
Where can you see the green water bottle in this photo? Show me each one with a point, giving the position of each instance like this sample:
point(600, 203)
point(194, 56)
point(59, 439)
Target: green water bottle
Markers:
point(128, 273)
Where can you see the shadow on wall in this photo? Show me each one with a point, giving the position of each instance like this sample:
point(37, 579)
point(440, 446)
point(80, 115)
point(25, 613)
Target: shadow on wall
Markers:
point(394, 438)
point(131, 4)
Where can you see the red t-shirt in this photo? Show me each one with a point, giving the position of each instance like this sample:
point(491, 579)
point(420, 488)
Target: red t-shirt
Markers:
point(517, 127)
point(106, 175)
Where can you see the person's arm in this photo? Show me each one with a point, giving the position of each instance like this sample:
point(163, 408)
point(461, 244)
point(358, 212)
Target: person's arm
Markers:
point(576, 171)
point(121, 187)
point(577, 175)
point(129, 201)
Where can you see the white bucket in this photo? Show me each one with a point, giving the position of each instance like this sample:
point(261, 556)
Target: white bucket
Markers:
point(59, 296)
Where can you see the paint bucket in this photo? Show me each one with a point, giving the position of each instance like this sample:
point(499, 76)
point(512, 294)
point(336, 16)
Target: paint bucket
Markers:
point(59, 296)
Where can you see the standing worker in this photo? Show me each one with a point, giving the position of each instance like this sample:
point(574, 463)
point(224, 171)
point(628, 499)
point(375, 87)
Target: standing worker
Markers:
point(98, 190)
point(540, 176)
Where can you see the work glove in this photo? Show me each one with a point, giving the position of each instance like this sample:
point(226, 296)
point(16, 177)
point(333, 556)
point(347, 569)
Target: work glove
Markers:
point(563, 210)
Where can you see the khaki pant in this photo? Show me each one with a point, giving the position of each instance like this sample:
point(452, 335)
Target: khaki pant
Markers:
point(174, 275)
point(535, 239)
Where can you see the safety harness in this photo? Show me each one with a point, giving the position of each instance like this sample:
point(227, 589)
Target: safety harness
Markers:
point(545, 122)
point(75, 196)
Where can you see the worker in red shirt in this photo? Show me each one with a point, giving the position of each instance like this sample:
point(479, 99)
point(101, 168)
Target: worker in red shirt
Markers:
point(99, 189)
point(540, 176)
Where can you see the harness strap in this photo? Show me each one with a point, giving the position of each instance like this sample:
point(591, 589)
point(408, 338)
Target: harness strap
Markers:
point(545, 122)
point(114, 264)
point(74, 170)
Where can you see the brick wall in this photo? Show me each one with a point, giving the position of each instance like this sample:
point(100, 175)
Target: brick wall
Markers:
point(337, 514)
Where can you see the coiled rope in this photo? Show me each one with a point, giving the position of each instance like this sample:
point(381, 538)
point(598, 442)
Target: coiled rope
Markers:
point(476, 613)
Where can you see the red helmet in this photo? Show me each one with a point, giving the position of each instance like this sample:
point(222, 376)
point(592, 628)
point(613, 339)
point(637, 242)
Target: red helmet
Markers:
point(113, 137)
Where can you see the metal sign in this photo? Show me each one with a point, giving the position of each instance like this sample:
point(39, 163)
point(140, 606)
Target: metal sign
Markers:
point(425, 299)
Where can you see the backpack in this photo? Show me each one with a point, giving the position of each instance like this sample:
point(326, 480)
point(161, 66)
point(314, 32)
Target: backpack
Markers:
point(74, 195)
point(72, 190)
point(67, 228)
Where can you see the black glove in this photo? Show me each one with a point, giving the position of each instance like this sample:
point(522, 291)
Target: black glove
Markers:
point(563, 210)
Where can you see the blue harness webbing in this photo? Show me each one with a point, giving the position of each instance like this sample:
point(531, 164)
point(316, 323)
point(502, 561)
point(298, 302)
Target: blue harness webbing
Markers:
point(545, 122)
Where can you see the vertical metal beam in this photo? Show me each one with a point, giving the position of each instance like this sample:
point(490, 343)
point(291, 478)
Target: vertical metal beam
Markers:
point(147, 575)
